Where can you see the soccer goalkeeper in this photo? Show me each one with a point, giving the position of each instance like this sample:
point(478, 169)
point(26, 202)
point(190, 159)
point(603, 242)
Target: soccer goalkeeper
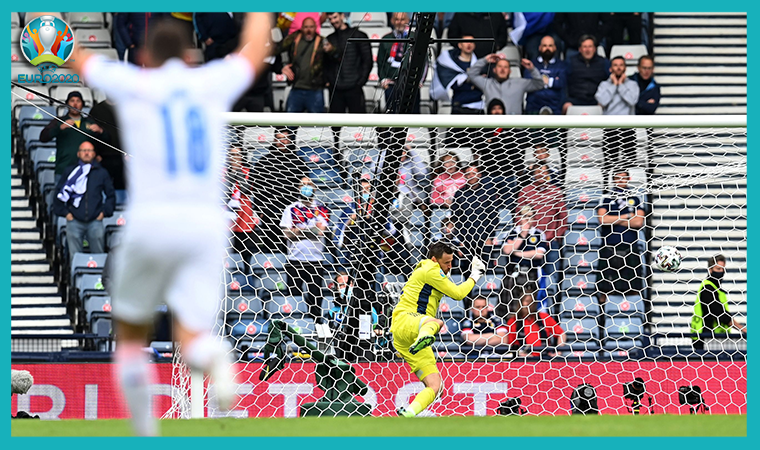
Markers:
point(414, 325)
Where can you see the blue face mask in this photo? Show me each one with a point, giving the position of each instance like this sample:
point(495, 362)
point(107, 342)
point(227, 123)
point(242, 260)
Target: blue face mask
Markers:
point(346, 292)
point(365, 196)
point(307, 191)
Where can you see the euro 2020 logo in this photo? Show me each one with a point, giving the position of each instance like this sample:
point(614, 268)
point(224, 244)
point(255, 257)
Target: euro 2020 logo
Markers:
point(47, 42)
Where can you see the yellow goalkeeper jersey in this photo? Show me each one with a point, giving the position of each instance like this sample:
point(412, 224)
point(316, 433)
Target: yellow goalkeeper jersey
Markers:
point(423, 292)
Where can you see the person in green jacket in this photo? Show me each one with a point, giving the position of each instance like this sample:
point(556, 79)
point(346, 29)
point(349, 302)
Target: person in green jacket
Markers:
point(67, 138)
point(711, 307)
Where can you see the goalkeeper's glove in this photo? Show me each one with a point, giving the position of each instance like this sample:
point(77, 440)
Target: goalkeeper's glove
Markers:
point(477, 268)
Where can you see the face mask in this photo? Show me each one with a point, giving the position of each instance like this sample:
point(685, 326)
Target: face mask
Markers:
point(307, 191)
point(717, 275)
point(365, 196)
point(346, 292)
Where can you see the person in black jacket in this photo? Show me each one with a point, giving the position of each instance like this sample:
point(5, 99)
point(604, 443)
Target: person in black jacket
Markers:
point(571, 26)
point(481, 25)
point(219, 31)
point(584, 73)
point(649, 90)
point(80, 199)
point(346, 66)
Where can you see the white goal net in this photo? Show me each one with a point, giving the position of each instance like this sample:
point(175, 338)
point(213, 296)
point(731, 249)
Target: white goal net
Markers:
point(567, 213)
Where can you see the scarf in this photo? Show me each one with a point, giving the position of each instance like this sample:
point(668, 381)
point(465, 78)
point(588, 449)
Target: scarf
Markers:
point(448, 73)
point(76, 185)
point(397, 49)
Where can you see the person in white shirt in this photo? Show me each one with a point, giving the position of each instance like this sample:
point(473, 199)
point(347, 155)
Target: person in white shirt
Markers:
point(172, 249)
point(304, 223)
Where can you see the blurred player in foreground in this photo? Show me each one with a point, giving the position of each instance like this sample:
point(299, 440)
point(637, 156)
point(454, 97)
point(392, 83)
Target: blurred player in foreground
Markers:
point(174, 243)
point(414, 324)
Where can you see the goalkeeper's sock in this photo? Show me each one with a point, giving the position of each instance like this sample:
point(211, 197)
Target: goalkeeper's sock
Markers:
point(135, 375)
point(422, 401)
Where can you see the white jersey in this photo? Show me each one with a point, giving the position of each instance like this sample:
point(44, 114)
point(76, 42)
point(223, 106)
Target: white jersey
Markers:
point(171, 126)
point(301, 216)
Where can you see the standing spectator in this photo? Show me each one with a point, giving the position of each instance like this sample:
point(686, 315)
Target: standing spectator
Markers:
point(526, 247)
point(347, 66)
point(711, 313)
point(349, 234)
point(533, 329)
point(649, 90)
point(80, 199)
point(554, 76)
point(448, 182)
point(259, 95)
point(219, 31)
point(549, 210)
point(304, 69)
point(621, 215)
point(390, 55)
point(616, 23)
point(618, 97)
point(483, 328)
point(451, 73)
point(304, 223)
point(342, 300)
point(510, 91)
point(67, 139)
point(481, 25)
point(529, 30)
point(272, 181)
point(474, 212)
point(413, 182)
point(585, 71)
point(133, 31)
point(300, 17)
point(246, 219)
point(103, 113)
point(571, 26)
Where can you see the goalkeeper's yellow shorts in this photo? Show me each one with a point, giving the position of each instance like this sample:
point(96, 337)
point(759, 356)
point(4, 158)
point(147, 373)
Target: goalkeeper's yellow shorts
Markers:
point(406, 328)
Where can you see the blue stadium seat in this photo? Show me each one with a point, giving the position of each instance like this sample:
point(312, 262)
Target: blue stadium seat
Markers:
point(318, 157)
point(43, 158)
point(451, 331)
point(247, 326)
point(579, 307)
point(578, 262)
point(580, 329)
point(583, 218)
point(437, 218)
point(87, 263)
point(488, 285)
point(92, 305)
point(31, 134)
point(582, 239)
point(303, 325)
point(273, 283)
point(451, 309)
point(100, 323)
point(325, 177)
point(505, 217)
point(584, 282)
point(244, 304)
point(90, 285)
point(625, 327)
point(34, 116)
point(390, 278)
point(624, 305)
point(280, 306)
point(233, 262)
point(262, 262)
point(238, 283)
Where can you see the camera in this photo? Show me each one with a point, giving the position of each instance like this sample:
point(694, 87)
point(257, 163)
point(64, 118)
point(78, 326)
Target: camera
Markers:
point(583, 400)
point(692, 395)
point(511, 407)
point(634, 390)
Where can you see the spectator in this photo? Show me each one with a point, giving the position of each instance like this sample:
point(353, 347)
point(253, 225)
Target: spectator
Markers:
point(349, 234)
point(554, 76)
point(616, 23)
point(300, 17)
point(530, 29)
point(482, 328)
point(510, 91)
point(480, 25)
point(133, 31)
point(220, 32)
point(571, 26)
point(104, 114)
point(541, 156)
point(474, 213)
point(448, 233)
point(500, 153)
point(413, 180)
point(304, 224)
point(68, 140)
point(446, 184)
point(618, 96)
point(342, 300)
point(390, 55)
point(259, 95)
point(549, 210)
point(347, 66)
point(621, 215)
point(649, 90)
point(241, 203)
point(304, 70)
point(526, 247)
point(80, 199)
point(585, 71)
point(272, 181)
point(451, 73)
point(533, 329)
point(711, 313)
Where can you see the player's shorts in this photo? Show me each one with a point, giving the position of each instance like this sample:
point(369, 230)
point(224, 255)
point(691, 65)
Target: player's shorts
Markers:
point(171, 260)
point(406, 328)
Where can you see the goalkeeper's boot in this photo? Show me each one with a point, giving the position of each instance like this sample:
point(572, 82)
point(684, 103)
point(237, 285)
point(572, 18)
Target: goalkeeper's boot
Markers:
point(401, 411)
point(421, 343)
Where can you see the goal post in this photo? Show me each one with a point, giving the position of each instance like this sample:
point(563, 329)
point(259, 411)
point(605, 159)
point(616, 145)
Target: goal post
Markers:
point(572, 300)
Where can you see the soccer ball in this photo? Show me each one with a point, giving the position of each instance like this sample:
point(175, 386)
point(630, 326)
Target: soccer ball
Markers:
point(667, 259)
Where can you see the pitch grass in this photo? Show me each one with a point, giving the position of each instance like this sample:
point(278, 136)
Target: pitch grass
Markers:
point(654, 425)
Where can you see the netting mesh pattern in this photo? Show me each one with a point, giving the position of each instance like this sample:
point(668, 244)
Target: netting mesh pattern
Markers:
point(567, 221)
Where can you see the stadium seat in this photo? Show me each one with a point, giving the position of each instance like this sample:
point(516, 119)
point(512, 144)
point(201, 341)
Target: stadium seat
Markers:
point(583, 218)
point(93, 38)
point(25, 69)
point(374, 32)
point(238, 283)
point(584, 262)
point(583, 282)
point(90, 285)
point(244, 304)
point(585, 156)
point(631, 53)
point(580, 329)
point(262, 262)
point(579, 307)
point(582, 239)
point(29, 115)
point(512, 54)
point(359, 19)
point(100, 324)
point(314, 137)
point(582, 110)
point(318, 155)
point(247, 326)
point(15, 34)
point(21, 97)
point(451, 331)
point(86, 20)
point(325, 177)
point(451, 308)
point(87, 263)
point(624, 305)
point(96, 304)
point(32, 135)
point(259, 136)
point(625, 327)
point(44, 158)
point(272, 283)
point(280, 306)
point(15, 20)
point(16, 56)
point(233, 262)
point(28, 16)
point(601, 51)
point(488, 285)
point(109, 53)
point(114, 223)
point(303, 325)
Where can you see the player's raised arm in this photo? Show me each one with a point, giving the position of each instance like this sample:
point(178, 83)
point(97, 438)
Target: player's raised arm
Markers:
point(79, 57)
point(253, 39)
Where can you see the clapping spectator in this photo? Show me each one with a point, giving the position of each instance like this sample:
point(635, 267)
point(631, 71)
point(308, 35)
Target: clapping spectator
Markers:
point(553, 72)
point(451, 73)
point(586, 70)
point(84, 196)
point(446, 184)
point(304, 70)
point(510, 91)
